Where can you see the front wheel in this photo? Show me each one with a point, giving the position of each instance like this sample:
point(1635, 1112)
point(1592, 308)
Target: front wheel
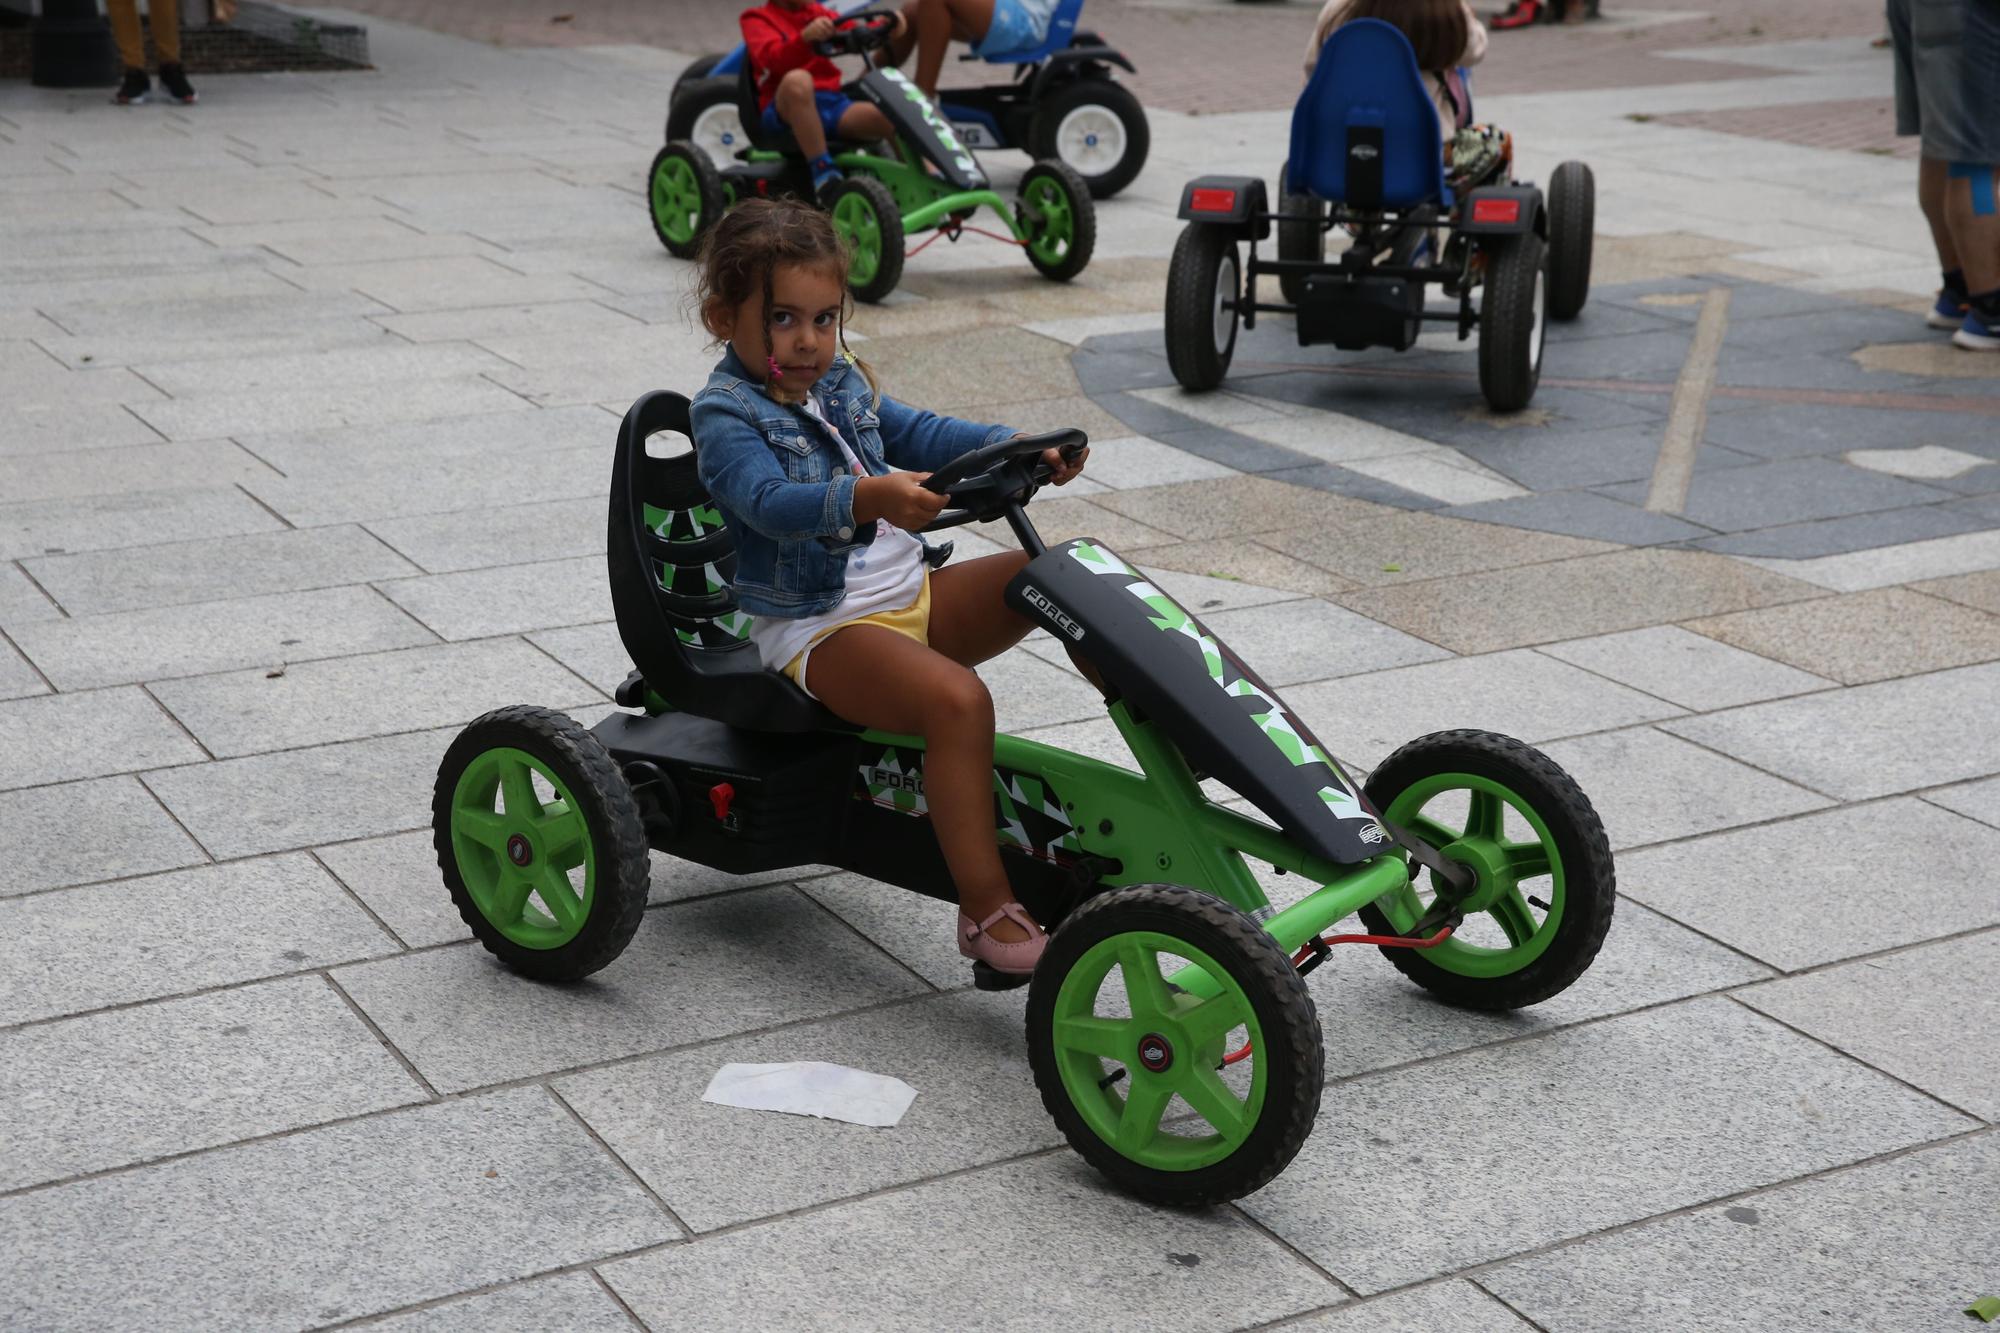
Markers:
point(865, 217)
point(1097, 127)
point(1544, 889)
point(697, 68)
point(1057, 219)
point(1572, 227)
point(540, 842)
point(1511, 323)
point(1129, 1049)
point(684, 191)
point(1204, 285)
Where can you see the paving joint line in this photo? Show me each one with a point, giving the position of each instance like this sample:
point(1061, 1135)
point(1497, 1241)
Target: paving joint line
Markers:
point(166, 712)
point(359, 901)
point(866, 938)
point(612, 1293)
point(170, 813)
point(687, 1232)
point(489, 1288)
point(409, 1067)
point(1256, 1224)
point(1509, 1306)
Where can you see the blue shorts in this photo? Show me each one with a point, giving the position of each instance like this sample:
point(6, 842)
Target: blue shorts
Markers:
point(1015, 27)
point(831, 105)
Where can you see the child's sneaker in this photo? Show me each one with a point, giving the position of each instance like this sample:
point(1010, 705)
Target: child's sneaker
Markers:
point(174, 79)
point(1949, 312)
point(1980, 332)
point(825, 175)
point(136, 88)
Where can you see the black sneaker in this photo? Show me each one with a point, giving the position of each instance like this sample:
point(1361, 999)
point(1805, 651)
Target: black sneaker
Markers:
point(136, 88)
point(175, 80)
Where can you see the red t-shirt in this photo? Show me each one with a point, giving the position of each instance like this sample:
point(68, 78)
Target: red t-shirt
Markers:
point(771, 34)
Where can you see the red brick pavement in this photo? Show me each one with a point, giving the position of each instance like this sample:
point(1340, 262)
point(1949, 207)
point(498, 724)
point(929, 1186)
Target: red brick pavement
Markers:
point(1213, 55)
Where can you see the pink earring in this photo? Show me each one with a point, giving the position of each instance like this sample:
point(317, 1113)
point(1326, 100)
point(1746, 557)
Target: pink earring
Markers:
point(771, 362)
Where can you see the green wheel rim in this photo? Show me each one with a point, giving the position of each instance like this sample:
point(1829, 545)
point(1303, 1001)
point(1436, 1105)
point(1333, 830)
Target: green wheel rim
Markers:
point(515, 857)
point(1126, 1114)
point(855, 221)
point(676, 199)
point(1052, 219)
point(1503, 865)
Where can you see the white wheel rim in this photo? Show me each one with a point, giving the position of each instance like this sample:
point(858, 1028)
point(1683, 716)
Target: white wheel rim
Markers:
point(1535, 332)
point(1225, 295)
point(1091, 138)
point(719, 131)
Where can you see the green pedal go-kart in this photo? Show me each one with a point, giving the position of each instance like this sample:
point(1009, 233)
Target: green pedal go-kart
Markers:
point(1169, 1026)
point(925, 180)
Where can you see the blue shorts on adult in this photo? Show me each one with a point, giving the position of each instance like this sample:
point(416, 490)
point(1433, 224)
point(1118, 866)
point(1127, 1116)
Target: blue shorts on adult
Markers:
point(1018, 25)
point(830, 105)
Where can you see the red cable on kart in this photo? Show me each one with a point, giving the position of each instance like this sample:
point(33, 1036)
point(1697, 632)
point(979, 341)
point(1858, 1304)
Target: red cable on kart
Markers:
point(1383, 941)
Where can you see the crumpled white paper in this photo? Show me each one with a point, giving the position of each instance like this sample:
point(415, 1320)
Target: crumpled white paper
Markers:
point(812, 1087)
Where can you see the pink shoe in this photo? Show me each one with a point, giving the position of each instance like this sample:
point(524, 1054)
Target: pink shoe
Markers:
point(1015, 958)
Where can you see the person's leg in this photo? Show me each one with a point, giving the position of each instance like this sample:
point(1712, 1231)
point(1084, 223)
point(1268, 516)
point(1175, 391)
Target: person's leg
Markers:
point(166, 16)
point(796, 107)
point(1973, 219)
point(943, 20)
point(1932, 178)
point(949, 707)
point(865, 122)
point(971, 621)
point(126, 32)
point(904, 42)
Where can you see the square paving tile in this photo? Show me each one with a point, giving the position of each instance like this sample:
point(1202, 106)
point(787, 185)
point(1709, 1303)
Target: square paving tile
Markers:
point(1856, 533)
point(1135, 462)
point(103, 522)
point(57, 737)
point(1399, 548)
point(1884, 1011)
point(1692, 670)
point(1977, 800)
point(1863, 636)
point(456, 1197)
point(976, 1103)
point(1289, 642)
point(1801, 891)
point(146, 467)
point(1569, 599)
point(1584, 514)
point(1456, 1305)
point(1649, 787)
point(572, 1302)
point(1234, 507)
point(476, 539)
point(283, 915)
point(1248, 561)
point(349, 698)
point(130, 834)
point(18, 678)
point(695, 971)
point(1867, 740)
point(1703, 1099)
point(1063, 1243)
point(509, 599)
point(1900, 1244)
point(1524, 695)
point(87, 1094)
point(98, 582)
point(1981, 590)
point(1793, 491)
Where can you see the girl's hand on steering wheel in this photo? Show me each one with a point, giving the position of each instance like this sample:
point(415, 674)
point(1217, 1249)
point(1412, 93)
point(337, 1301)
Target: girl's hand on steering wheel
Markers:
point(899, 497)
point(1062, 469)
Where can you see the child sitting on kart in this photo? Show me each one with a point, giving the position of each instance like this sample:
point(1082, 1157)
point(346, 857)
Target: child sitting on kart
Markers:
point(800, 88)
point(991, 27)
point(797, 449)
point(1445, 34)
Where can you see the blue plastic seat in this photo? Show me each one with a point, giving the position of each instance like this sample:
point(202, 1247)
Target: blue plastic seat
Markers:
point(1365, 131)
point(1062, 26)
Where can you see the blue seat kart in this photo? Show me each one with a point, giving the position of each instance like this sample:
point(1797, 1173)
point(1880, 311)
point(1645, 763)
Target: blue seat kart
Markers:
point(1061, 102)
point(1168, 1025)
point(1365, 157)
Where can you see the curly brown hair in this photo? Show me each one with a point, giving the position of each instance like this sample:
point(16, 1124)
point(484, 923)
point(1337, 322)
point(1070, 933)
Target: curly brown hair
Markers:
point(1437, 29)
point(751, 242)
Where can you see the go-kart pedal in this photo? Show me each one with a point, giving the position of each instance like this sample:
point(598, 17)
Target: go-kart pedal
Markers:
point(985, 976)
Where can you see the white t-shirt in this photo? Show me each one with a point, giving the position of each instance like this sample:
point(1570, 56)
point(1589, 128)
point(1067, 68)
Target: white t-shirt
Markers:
point(885, 575)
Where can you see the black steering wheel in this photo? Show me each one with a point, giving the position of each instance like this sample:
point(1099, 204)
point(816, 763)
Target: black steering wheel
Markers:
point(981, 483)
point(860, 32)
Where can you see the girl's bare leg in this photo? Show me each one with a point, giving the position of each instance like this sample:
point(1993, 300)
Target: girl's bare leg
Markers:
point(945, 703)
point(971, 621)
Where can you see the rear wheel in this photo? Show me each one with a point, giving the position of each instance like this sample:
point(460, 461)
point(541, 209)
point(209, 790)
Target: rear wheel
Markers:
point(1058, 219)
point(1545, 888)
point(704, 114)
point(1097, 127)
point(697, 68)
point(1298, 240)
point(540, 842)
point(865, 216)
point(1511, 324)
point(684, 191)
point(1572, 226)
point(1131, 1065)
point(1204, 284)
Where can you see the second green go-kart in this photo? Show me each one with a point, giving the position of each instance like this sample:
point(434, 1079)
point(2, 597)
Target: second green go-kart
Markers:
point(924, 180)
point(1169, 1025)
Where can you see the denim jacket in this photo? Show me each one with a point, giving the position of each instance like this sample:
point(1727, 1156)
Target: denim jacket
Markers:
point(787, 492)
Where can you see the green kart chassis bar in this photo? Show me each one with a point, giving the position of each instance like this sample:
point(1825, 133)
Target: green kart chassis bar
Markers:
point(921, 196)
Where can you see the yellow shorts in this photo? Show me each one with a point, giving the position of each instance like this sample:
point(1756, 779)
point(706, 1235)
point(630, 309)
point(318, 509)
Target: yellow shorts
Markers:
point(912, 622)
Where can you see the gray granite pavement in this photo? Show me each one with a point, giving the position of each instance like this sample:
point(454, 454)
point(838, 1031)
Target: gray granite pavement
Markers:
point(307, 398)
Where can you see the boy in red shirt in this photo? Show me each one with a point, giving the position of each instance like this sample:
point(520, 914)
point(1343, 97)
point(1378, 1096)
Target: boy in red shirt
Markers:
point(801, 88)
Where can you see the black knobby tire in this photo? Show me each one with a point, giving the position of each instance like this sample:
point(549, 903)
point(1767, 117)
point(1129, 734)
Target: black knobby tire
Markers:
point(880, 205)
point(707, 183)
point(1050, 174)
point(1572, 228)
point(1298, 240)
point(694, 100)
point(697, 68)
point(1044, 137)
point(1277, 995)
point(1204, 270)
point(1590, 880)
point(1510, 321)
point(610, 813)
